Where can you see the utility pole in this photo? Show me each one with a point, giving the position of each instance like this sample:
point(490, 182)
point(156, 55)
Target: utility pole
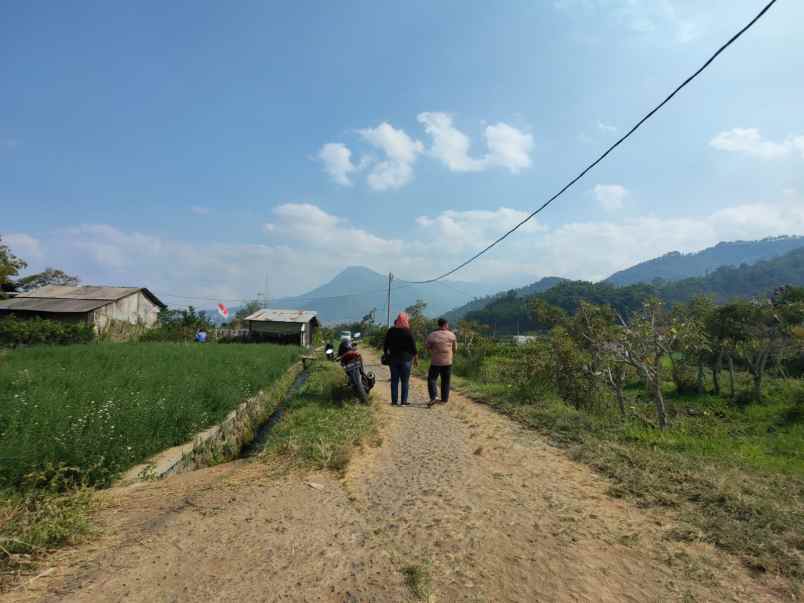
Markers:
point(388, 302)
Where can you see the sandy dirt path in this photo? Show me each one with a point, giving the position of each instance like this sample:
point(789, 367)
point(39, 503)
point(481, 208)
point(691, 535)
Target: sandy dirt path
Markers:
point(487, 510)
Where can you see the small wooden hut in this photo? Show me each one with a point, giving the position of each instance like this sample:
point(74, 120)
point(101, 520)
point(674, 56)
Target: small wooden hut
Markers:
point(284, 326)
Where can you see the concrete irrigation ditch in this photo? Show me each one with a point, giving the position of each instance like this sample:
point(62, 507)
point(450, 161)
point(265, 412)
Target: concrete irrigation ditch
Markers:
point(244, 430)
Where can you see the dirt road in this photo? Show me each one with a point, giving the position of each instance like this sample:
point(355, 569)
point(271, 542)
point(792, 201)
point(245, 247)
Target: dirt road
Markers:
point(461, 496)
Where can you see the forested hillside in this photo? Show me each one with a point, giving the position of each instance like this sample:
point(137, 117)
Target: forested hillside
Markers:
point(511, 314)
point(481, 302)
point(676, 266)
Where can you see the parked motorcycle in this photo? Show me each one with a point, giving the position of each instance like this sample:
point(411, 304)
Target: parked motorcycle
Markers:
point(329, 351)
point(359, 380)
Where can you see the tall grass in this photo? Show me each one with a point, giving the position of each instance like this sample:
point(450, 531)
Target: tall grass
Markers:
point(100, 409)
point(323, 423)
point(734, 472)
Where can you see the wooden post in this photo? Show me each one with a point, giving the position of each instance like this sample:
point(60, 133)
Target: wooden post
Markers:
point(388, 302)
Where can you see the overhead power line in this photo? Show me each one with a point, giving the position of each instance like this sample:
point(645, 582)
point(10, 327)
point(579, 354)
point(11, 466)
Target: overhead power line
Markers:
point(542, 207)
point(650, 114)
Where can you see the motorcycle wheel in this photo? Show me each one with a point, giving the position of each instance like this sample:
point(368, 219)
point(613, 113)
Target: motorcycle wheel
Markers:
point(360, 390)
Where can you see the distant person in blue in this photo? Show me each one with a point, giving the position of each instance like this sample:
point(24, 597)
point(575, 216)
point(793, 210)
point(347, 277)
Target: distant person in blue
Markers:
point(201, 336)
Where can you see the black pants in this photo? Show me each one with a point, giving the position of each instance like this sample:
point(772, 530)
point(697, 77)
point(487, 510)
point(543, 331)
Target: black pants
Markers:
point(432, 376)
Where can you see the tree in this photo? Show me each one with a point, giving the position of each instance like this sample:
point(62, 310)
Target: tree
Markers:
point(761, 330)
point(595, 327)
point(691, 345)
point(51, 276)
point(248, 309)
point(572, 374)
point(642, 343)
point(546, 316)
point(420, 325)
point(10, 266)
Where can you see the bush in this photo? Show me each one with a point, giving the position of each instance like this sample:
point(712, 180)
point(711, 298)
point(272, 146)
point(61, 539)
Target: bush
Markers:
point(15, 332)
point(169, 333)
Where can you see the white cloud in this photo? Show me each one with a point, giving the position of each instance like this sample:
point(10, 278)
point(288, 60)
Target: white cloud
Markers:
point(23, 245)
point(610, 196)
point(400, 150)
point(604, 127)
point(199, 210)
point(337, 161)
point(508, 147)
point(465, 230)
point(314, 228)
point(640, 16)
point(450, 145)
point(304, 246)
point(750, 142)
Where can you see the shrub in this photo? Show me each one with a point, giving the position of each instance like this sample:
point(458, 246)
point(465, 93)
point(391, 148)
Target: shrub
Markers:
point(15, 332)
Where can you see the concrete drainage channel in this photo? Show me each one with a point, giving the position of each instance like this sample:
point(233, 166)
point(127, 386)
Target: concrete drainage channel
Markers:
point(256, 445)
point(243, 433)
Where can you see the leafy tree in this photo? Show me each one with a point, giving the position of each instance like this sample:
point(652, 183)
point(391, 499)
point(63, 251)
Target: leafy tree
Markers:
point(546, 316)
point(641, 344)
point(51, 276)
point(420, 325)
point(761, 330)
point(573, 376)
point(248, 309)
point(692, 346)
point(10, 266)
point(595, 328)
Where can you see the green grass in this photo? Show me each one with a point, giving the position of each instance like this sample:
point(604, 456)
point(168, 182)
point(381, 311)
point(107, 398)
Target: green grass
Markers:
point(417, 579)
point(44, 516)
point(322, 424)
point(99, 409)
point(734, 473)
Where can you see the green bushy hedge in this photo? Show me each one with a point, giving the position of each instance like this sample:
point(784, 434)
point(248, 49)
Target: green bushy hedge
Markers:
point(14, 332)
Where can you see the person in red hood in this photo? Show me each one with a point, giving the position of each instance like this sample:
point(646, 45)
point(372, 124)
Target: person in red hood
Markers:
point(399, 348)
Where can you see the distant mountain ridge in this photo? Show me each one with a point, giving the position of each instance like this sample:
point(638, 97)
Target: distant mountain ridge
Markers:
point(356, 290)
point(510, 314)
point(675, 266)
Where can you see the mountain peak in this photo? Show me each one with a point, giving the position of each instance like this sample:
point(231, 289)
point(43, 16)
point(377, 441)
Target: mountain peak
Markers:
point(357, 271)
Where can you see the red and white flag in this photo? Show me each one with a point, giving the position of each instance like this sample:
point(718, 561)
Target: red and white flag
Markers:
point(223, 310)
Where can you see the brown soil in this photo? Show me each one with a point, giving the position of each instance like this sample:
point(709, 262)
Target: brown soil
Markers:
point(483, 508)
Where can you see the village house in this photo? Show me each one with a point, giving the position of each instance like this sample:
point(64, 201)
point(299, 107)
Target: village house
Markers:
point(284, 326)
point(98, 306)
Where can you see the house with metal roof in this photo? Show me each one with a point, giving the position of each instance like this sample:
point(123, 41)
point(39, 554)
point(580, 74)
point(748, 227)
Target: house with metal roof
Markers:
point(284, 326)
point(98, 306)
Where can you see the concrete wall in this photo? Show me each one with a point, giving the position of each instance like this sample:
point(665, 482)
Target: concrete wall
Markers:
point(135, 309)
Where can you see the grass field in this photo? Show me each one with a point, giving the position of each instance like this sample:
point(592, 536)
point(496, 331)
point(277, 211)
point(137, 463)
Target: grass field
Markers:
point(87, 412)
point(733, 473)
point(323, 423)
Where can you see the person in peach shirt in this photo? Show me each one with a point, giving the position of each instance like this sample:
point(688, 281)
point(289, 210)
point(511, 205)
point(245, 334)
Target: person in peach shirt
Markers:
point(442, 345)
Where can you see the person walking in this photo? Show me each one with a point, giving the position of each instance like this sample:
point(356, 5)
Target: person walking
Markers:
point(442, 345)
point(399, 348)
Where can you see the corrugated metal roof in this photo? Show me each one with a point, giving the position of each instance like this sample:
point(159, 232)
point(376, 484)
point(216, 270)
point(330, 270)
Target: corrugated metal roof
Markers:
point(61, 306)
point(81, 292)
point(283, 315)
point(87, 292)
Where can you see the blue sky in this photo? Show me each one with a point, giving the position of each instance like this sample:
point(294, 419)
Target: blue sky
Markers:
point(193, 148)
